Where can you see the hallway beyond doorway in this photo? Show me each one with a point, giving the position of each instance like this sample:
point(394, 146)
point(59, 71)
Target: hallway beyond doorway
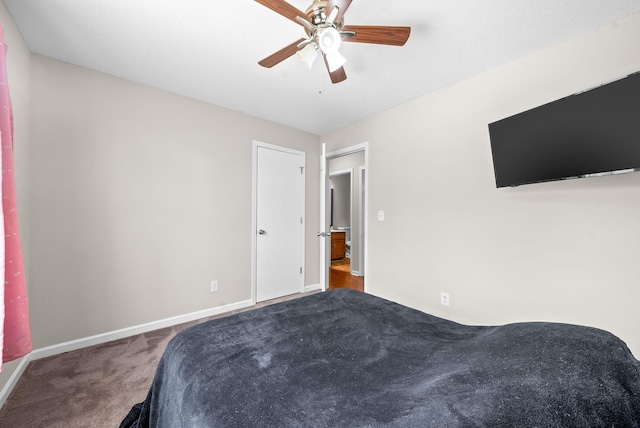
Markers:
point(340, 276)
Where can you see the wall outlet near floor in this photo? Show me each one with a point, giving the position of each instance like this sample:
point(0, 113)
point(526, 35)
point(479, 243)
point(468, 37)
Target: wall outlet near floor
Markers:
point(214, 286)
point(444, 298)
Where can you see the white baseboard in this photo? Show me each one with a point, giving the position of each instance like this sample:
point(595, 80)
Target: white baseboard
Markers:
point(98, 339)
point(312, 287)
point(13, 379)
point(131, 331)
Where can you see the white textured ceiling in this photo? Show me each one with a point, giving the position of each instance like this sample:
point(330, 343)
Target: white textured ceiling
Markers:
point(209, 49)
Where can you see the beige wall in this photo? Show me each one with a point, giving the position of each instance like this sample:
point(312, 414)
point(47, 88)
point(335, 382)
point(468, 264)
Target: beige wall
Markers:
point(18, 71)
point(139, 199)
point(564, 251)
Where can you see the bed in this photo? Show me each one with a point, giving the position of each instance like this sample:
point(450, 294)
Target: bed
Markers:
point(348, 359)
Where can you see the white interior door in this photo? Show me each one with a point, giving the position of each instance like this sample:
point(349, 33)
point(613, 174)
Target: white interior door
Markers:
point(325, 220)
point(362, 212)
point(279, 221)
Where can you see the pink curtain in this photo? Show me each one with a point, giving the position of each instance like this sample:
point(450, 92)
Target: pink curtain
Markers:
point(15, 336)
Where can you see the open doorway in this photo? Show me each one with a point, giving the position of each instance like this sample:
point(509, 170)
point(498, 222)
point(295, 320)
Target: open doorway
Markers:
point(344, 208)
point(343, 272)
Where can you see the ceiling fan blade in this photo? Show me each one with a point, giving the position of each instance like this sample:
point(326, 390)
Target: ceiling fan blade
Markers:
point(337, 75)
point(343, 5)
point(285, 9)
point(281, 55)
point(380, 35)
point(331, 18)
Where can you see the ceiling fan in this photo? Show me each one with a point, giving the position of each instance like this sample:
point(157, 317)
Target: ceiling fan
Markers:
point(324, 24)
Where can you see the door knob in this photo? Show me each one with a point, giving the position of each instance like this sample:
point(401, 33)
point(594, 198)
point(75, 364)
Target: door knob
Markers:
point(262, 232)
point(324, 234)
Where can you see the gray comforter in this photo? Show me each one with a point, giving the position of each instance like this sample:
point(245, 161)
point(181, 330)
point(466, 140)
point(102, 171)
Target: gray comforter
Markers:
point(347, 359)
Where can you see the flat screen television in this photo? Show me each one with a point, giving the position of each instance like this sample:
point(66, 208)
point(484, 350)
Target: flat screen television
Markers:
point(592, 133)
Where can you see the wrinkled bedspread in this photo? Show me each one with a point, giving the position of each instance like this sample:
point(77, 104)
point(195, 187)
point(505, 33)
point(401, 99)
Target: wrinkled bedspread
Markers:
point(347, 359)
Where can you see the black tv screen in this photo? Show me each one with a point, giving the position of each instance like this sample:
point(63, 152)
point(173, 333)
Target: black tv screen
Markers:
point(596, 132)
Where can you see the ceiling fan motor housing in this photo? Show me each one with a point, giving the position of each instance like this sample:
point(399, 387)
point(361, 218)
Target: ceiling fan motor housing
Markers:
point(318, 16)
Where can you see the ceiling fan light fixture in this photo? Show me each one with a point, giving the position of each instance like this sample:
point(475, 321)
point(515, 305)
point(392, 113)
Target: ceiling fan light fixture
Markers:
point(323, 24)
point(335, 61)
point(308, 54)
point(329, 40)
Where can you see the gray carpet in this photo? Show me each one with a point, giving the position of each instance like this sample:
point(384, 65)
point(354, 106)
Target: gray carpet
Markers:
point(91, 387)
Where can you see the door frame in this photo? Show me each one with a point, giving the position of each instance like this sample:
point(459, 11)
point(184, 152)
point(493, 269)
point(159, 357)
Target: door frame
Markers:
point(362, 176)
point(325, 258)
point(254, 214)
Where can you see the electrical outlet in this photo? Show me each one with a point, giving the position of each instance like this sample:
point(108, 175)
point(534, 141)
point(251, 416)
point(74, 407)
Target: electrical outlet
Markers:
point(214, 286)
point(444, 298)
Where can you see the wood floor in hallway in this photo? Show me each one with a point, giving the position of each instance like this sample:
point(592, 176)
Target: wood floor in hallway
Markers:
point(340, 276)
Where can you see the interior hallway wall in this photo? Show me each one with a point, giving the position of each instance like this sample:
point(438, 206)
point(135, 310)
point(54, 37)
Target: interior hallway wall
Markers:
point(341, 186)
